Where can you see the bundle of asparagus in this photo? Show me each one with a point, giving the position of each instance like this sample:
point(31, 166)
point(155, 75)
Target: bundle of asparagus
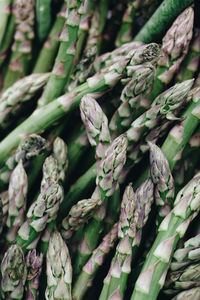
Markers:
point(101, 202)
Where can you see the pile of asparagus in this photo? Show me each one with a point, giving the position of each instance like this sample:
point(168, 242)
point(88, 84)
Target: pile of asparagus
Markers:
point(99, 149)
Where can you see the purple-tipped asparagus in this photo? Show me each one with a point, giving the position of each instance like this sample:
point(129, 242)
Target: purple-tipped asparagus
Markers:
point(163, 181)
point(17, 192)
point(14, 273)
point(96, 124)
point(59, 269)
point(34, 269)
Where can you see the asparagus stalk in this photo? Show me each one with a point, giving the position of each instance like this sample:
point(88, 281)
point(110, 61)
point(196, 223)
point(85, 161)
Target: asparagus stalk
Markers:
point(21, 49)
point(163, 181)
point(134, 97)
point(45, 116)
point(42, 212)
point(59, 269)
point(184, 268)
point(96, 124)
point(175, 46)
point(84, 26)
point(180, 134)
point(43, 18)
point(172, 228)
point(77, 191)
point(30, 146)
point(48, 52)
point(191, 294)
point(94, 263)
point(17, 192)
point(1, 215)
point(125, 32)
point(183, 279)
point(5, 6)
point(190, 64)
point(60, 154)
point(50, 177)
point(109, 58)
point(132, 220)
point(78, 215)
point(4, 199)
point(7, 39)
point(150, 125)
point(161, 20)
point(14, 273)
point(83, 69)
point(108, 172)
point(23, 90)
point(34, 269)
point(50, 173)
point(65, 58)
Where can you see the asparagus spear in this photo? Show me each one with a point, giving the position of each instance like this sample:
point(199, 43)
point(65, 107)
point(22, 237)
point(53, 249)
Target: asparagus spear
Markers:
point(14, 273)
point(150, 125)
point(84, 25)
point(45, 116)
point(191, 294)
point(183, 279)
point(77, 191)
point(134, 97)
point(34, 269)
point(42, 212)
point(125, 32)
point(94, 263)
point(60, 154)
point(96, 124)
point(17, 192)
point(175, 46)
point(5, 12)
point(161, 20)
point(50, 177)
point(1, 215)
point(163, 181)
point(4, 199)
point(180, 133)
point(184, 268)
point(78, 215)
point(23, 90)
point(107, 59)
point(83, 69)
point(65, 58)
point(43, 18)
point(21, 49)
point(108, 172)
point(190, 64)
point(172, 228)
point(59, 269)
point(50, 173)
point(132, 220)
point(48, 52)
point(29, 147)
